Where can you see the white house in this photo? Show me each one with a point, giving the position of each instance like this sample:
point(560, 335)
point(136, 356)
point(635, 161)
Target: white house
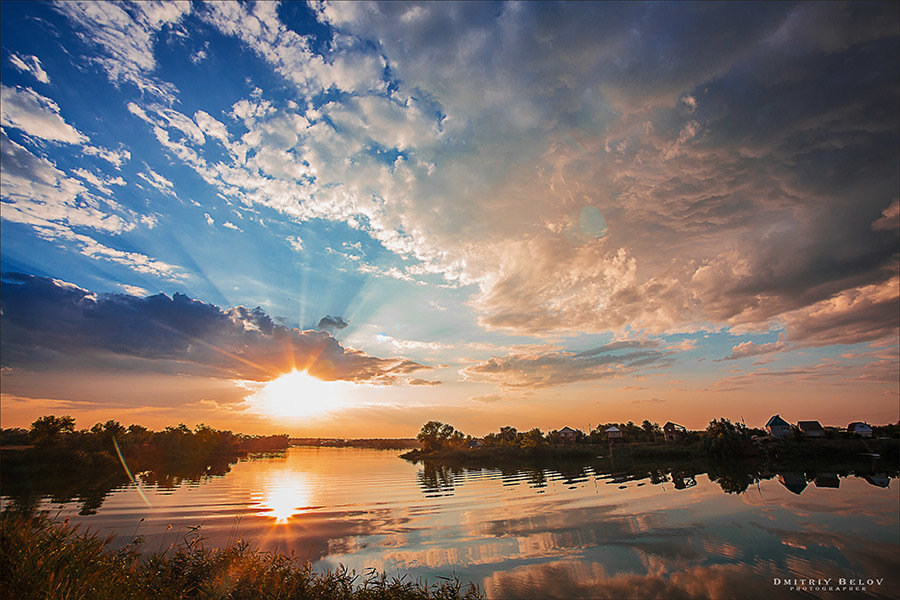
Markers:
point(860, 429)
point(613, 432)
point(778, 427)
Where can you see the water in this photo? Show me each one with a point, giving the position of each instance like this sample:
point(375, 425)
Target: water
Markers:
point(573, 532)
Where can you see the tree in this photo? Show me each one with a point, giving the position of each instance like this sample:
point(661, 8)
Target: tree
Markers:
point(47, 430)
point(435, 435)
point(722, 438)
point(532, 438)
point(508, 436)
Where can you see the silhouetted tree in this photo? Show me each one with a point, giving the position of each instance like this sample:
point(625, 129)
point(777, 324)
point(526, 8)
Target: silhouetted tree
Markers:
point(48, 430)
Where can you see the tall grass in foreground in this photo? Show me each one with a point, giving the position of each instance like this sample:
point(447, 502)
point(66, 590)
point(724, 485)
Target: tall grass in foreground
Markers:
point(40, 558)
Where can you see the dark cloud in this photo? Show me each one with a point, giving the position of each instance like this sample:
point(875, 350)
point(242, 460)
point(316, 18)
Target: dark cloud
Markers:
point(545, 369)
point(47, 322)
point(327, 323)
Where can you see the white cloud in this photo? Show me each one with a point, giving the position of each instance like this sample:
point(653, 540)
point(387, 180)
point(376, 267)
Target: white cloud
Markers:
point(231, 225)
point(157, 181)
point(493, 175)
point(134, 290)
point(295, 242)
point(114, 157)
point(36, 115)
point(209, 220)
point(30, 64)
point(39, 194)
point(125, 34)
point(100, 182)
point(211, 127)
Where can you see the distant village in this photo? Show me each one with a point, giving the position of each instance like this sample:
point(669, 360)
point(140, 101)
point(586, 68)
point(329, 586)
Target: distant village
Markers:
point(776, 427)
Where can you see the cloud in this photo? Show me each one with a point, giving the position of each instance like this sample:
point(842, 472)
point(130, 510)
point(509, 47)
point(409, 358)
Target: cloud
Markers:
point(737, 187)
point(862, 314)
point(30, 64)
point(36, 115)
point(100, 182)
point(38, 194)
point(124, 35)
point(426, 382)
point(327, 323)
point(683, 346)
point(47, 321)
point(646, 400)
point(114, 157)
point(133, 290)
point(890, 218)
point(157, 181)
point(748, 348)
point(538, 369)
point(295, 242)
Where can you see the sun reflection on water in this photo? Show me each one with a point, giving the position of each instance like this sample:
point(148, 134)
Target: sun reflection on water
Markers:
point(285, 496)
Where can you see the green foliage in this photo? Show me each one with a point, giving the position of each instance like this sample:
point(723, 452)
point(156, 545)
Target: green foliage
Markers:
point(436, 436)
point(64, 463)
point(722, 439)
point(57, 561)
point(50, 430)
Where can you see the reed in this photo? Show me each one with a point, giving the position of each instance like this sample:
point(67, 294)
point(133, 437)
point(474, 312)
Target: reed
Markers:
point(41, 558)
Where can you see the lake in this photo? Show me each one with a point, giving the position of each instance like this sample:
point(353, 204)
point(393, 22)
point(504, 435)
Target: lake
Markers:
point(579, 531)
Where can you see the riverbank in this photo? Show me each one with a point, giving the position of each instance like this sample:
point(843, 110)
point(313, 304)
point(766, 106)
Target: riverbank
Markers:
point(40, 558)
point(495, 455)
point(771, 452)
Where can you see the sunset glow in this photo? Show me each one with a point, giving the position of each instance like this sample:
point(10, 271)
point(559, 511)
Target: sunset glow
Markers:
point(298, 394)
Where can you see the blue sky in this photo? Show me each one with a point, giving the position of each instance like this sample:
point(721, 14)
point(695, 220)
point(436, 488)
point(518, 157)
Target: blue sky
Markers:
point(665, 211)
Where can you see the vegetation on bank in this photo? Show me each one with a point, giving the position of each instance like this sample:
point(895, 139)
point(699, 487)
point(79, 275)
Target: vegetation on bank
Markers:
point(53, 459)
point(376, 443)
point(43, 559)
point(722, 440)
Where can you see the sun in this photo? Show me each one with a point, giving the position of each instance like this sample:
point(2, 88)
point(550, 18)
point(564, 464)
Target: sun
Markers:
point(298, 395)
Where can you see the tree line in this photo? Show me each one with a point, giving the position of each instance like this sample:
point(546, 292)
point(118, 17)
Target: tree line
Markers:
point(53, 458)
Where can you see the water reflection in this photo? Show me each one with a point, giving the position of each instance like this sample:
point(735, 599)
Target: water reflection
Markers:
point(578, 530)
point(286, 495)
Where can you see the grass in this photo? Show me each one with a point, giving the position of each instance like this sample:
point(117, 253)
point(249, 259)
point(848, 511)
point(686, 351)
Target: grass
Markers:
point(41, 558)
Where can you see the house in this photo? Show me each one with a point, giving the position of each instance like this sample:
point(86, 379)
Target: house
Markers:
point(878, 479)
point(613, 432)
point(811, 428)
point(794, 482)
point(674, 432)
point(827, 480)
point(567, 435)
point(683, 480)
point(778, 427)
point(474, 443)
point(860, 429)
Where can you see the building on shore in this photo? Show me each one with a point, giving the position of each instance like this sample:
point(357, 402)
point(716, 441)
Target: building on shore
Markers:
point(811, 428)
point(794, 482)
point(613, 433)
point(567, 435)
point(778, 427)
point(860, 428)
point(674, 432)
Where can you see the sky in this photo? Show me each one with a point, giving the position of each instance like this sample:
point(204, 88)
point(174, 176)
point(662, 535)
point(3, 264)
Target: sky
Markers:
point(346, 219)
